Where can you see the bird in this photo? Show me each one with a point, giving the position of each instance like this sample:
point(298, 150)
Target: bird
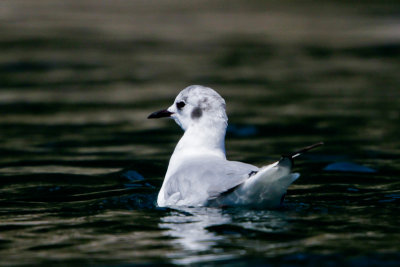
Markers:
point(199, 173)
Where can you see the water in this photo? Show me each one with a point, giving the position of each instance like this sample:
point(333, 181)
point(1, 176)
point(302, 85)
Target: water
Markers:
point(81, 166)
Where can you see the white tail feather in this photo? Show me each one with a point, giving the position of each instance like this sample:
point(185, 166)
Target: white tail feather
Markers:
point(264, 189)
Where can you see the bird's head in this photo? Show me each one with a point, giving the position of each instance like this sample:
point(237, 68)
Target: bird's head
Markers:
point(196, 105)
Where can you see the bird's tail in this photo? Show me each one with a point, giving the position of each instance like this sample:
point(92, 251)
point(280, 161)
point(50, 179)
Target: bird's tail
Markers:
point(266, 188)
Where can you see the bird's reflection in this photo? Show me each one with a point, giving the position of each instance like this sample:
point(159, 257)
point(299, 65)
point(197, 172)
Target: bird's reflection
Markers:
point(195, 241)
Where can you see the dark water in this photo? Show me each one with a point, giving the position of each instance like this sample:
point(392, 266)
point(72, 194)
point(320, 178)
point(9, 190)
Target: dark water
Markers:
point(80, 165)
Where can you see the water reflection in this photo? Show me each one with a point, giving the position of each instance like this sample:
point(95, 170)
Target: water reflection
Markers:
point(201, 234)
point(193, 242)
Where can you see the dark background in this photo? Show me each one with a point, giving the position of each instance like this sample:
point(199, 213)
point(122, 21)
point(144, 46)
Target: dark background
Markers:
point(80, 165)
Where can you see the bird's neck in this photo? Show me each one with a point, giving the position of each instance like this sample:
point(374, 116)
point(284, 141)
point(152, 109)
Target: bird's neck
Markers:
point(203, 139)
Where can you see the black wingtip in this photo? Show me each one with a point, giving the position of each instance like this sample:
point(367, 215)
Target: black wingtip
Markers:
point(302, 151)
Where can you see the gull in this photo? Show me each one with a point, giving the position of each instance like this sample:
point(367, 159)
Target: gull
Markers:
point(198, 172)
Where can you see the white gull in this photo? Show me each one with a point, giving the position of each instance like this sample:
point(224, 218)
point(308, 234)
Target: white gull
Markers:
point(198, 172)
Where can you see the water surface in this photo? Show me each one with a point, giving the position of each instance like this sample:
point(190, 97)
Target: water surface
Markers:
point(81, 166)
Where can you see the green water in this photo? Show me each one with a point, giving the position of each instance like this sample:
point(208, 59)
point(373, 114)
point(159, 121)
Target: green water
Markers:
point(78, 79)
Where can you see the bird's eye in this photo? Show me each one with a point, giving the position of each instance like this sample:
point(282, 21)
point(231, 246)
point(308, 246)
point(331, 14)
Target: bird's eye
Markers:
point(180, 105)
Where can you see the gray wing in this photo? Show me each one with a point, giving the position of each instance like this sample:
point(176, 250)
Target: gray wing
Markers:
point(208, 177)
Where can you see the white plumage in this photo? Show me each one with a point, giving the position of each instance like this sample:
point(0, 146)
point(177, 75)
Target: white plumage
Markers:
point(198, 172)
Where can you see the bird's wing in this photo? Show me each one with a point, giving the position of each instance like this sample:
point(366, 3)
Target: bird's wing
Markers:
point(266, 188)
point(201, 178)
point(228, 175)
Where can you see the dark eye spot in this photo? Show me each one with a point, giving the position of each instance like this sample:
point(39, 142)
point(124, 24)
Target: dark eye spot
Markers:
point(180, 105)
point(196, 113)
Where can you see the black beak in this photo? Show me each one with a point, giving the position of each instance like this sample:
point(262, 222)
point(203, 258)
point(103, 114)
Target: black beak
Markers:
point(160, 114)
